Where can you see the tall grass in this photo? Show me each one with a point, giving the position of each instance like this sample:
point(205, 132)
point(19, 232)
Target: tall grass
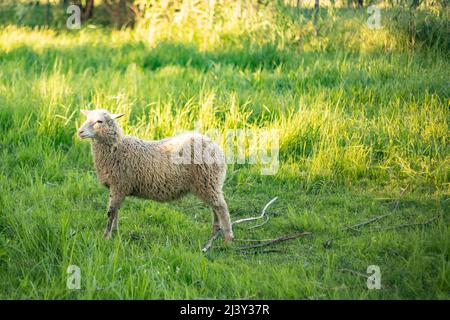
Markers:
point(347, 110)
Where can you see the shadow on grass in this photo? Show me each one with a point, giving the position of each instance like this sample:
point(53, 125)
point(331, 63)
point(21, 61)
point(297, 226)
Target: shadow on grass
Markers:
point(310, 74)
point(97, 57)
point(252, 57)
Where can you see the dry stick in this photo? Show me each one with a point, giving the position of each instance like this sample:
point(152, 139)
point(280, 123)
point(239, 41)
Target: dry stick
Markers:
point(353, 227)
point(327, 243)
point(354, 272)
point(254, 240)
point(261, 251)
point(406, 225)
point(211, 240)
point(258, 217)
point(261, 224)
point(278, 240)
point(373, 219)
point(219, 232)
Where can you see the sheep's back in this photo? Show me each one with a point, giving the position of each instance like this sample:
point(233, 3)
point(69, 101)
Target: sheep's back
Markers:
point(152, 169)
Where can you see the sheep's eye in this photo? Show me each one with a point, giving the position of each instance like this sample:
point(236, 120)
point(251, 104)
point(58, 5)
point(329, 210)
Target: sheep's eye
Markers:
point(99, 121)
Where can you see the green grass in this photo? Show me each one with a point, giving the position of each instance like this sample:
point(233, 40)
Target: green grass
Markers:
point(360, 115)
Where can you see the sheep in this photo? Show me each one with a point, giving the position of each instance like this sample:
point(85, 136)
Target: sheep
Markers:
point(155, 170)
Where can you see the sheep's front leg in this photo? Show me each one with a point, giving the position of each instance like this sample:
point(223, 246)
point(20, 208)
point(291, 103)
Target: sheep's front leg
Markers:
point(115, 200)
point(220, 209)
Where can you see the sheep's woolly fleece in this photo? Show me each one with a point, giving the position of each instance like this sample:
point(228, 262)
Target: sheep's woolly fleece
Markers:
point(162, 170)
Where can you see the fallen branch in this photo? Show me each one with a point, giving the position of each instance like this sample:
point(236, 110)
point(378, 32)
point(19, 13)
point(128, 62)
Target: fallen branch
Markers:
point(258, 217)
point(328, 243)
point(211, 240)
point(261, 224)
point(356, 273)
point(275, 241)
point(219, 232)
point(406, 225)
point(376, 218)
point(353, 227)
point(253, 240)
point(261, 251)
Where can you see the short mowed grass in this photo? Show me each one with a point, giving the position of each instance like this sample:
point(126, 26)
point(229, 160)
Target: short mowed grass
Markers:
point(363, 132)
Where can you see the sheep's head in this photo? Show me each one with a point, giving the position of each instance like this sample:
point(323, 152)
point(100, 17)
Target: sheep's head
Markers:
point(100, 125)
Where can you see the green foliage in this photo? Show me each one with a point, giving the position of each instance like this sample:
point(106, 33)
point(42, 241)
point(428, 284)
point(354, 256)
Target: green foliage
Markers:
point(429, 27)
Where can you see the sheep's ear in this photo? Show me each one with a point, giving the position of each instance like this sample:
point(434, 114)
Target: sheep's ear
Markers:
point(85, 112)
point(117, 116)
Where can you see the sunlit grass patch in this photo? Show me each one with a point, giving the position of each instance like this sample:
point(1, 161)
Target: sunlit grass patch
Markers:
point(359, 119)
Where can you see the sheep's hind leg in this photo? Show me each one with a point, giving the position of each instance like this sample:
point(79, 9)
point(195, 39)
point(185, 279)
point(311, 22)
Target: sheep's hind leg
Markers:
point(220, 209)
point(216, 223)
point(115, 201)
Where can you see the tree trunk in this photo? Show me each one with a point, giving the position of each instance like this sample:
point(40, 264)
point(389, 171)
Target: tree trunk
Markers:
point(47, 13)
point(122, 13)
point(88, 9)
point(316, 16)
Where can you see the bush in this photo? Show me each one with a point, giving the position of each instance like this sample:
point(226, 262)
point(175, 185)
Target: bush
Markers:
point(424, 26)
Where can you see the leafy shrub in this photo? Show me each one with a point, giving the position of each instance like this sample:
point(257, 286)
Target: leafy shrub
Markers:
point(424, 26)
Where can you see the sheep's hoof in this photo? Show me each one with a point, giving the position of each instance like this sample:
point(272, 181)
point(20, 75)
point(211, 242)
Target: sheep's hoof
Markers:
point(107, 235)
point(228, 237)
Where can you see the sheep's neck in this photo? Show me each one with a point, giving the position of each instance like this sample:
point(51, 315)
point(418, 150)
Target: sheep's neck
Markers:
point(105, 147)
point(103, 153)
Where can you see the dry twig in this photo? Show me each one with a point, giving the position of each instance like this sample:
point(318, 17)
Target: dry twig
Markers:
point(356, 227)
point(258, 217)
point(275, 241)
point(261, 251)
point(356, 273)
point(406, 225)
point(376, 218)
point(219, 232)
point(211, 240)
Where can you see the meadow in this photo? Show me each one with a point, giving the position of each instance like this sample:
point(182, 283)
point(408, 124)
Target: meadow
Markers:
point(362, 117)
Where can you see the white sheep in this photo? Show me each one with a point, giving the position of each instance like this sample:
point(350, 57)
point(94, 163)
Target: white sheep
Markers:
point(156, 170)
